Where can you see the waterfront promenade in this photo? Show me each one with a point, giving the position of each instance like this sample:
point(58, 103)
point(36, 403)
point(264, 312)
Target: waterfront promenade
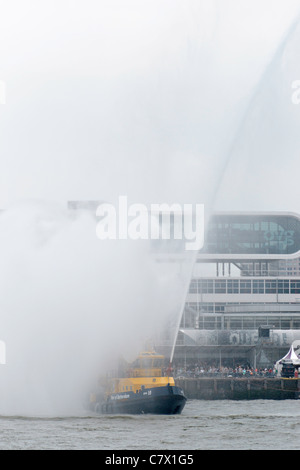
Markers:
point(240, 388)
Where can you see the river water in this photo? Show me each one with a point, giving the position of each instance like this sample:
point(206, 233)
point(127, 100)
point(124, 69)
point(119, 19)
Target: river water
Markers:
point(203, 425)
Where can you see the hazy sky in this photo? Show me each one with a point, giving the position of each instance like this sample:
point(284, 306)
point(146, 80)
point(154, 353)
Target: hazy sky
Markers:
point(133, 97)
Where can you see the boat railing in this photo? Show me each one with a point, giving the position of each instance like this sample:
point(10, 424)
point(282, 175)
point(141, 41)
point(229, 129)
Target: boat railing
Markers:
point(140, 372)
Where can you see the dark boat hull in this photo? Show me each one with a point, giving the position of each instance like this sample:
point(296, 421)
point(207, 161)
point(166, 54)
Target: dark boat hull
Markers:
point(158, 400)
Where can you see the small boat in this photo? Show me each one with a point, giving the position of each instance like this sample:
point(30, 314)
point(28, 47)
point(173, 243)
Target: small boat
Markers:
point(144, 388)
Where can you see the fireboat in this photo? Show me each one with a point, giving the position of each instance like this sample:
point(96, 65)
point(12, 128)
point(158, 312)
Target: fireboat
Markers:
point(142, 389)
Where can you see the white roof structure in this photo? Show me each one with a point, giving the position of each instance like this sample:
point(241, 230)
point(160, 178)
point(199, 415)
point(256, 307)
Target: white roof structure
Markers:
point(290, 356)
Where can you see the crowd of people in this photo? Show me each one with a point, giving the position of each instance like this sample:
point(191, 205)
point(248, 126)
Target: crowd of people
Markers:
point(198, 371)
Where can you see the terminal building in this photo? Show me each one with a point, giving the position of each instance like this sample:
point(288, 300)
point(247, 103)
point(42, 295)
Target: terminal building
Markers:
point(243, 302)
point(246, 312)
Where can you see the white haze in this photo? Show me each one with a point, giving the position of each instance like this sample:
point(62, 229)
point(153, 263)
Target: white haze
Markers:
point(108, 98)
point(263, 160)
point(70, 305)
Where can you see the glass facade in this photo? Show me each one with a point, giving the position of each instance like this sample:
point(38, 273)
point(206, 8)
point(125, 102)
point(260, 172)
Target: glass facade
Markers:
point(283, 321)
point(245, 286)
point(252, 234)
point(230, 311)
point(239, 314)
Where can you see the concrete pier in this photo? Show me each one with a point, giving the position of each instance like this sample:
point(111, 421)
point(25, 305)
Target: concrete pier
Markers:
point(229, 388)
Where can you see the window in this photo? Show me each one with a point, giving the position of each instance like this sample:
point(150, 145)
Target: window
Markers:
point(193, 305)
point(286, 323)
point(295, 287)
point(260, 321)
point(209, 323)
point(245, 287)
point(273, 321)
point(283, 286)
point(220, 287)
point(206, 308)
point(157, 362)
point(232, 287)
point(258, 287)
point(271, 287)
point(206, 286)
point(249, 323)
point(253, 234)
point(219, 308)
point(296, 323)
point(146, 362)
point(236, 322)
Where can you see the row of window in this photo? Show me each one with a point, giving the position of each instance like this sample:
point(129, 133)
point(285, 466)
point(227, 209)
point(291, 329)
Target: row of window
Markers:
point(206, 307)
point(252, 234)
point(241, 322)
point(242, 286)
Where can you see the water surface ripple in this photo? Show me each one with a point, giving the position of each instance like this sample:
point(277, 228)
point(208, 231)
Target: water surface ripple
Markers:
point(203, 425)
